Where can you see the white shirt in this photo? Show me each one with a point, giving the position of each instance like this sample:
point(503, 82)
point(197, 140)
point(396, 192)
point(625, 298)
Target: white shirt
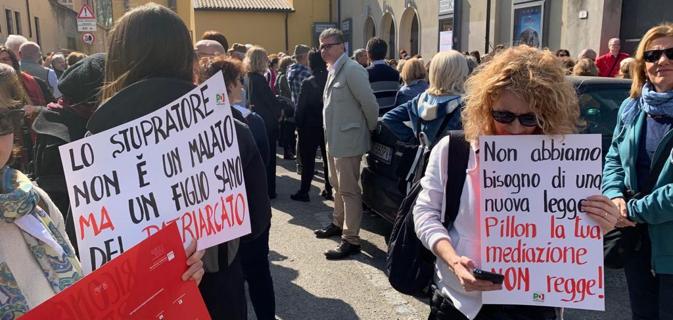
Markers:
point(342, 59)
point(53, 83)
point(464, 236)
point(375, 62)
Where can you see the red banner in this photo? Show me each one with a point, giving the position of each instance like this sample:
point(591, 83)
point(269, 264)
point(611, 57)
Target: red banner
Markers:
point(143, 283)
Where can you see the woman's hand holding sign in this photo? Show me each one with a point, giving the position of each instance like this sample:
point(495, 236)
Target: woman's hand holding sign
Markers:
point(623, 219)
point(195, 264)
point(606, 212)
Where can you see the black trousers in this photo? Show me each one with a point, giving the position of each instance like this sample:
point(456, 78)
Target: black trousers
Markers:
point(255, 262)
point(223, 291)
point(442, 308)
point(287, 137)
point(272, 135)
point(650, 294)
point(310, 138)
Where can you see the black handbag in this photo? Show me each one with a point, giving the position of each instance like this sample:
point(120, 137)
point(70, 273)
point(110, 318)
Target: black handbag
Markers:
point(620, 243)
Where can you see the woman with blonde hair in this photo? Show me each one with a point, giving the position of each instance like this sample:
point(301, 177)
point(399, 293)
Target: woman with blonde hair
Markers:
point(434, 110)
point(262, 101)
point(637, 176)
point(625, 68)
point(413, 76)
point(520, 91)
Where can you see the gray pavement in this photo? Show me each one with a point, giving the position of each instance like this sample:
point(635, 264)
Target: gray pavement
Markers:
point(308, 286)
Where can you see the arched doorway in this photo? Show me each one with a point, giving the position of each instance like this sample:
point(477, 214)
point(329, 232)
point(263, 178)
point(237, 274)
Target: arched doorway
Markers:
point(409, 32)
point(370, 29)
point(388, 33)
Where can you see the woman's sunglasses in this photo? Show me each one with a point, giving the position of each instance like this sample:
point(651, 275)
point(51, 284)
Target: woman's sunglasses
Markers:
point(10, 120)
point(654, 55)
point(526, 119)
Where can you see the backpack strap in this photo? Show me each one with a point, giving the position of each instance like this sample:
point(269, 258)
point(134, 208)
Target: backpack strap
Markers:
point(458, 157)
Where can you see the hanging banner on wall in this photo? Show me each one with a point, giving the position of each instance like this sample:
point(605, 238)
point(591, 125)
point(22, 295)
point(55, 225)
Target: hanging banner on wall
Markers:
point(527, 24)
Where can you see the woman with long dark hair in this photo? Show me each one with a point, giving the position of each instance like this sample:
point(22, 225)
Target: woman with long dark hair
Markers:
point(150, 63)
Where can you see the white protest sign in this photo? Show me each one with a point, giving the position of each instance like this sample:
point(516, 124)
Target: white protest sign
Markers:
point(532, 230)
point(180, 163)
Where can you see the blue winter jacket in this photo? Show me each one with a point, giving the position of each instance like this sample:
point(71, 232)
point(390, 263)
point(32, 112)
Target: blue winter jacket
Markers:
point(410, 91)
point(425, 112)
point(619, 175)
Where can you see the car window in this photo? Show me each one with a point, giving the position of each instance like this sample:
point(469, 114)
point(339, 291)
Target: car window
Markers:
point(599, 108)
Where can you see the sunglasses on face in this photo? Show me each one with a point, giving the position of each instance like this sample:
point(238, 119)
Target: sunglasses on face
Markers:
point(10, 120)
point(654, 55)
point(328, 45)
point(526, 119)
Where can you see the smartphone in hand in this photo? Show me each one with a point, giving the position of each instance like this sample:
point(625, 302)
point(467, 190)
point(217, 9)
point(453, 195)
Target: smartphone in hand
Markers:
point(488, 276)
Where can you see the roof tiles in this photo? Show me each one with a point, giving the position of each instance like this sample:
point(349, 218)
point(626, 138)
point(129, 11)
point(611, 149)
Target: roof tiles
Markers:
point(243, 5)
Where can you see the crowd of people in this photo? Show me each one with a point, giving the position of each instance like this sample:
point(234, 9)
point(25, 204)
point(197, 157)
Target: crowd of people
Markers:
point(322, 98)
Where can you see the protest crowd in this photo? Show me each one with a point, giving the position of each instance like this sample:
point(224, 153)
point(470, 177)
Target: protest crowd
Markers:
point(319, 98)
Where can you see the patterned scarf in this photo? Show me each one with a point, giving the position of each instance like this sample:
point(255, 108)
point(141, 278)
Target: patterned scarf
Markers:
point(18, 201)
point(656, 103)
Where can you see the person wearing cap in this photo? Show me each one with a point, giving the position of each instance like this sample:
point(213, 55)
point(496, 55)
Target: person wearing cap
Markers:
point(299, 71)
point(64, 122)
point(237, 51)
point(296, 74)
point(208, 48)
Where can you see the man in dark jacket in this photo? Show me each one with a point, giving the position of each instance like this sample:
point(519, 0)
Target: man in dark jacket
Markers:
point(309, 125)
point(384, 79)
point(222, 285)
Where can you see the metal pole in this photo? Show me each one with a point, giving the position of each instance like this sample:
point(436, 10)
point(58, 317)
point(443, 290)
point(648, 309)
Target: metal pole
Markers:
point(488, 25)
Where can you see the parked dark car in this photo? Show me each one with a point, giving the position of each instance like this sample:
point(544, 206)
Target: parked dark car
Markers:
point(384, 179)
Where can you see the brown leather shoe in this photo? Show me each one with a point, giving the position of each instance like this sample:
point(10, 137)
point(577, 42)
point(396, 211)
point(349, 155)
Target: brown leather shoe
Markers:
point(329, 231)
point(344, 250)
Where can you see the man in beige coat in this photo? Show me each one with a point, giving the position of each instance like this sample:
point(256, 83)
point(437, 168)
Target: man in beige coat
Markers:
point(350, 113)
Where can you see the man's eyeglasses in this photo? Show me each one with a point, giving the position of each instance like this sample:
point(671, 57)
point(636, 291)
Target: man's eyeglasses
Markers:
point(10, 120)
point(526, 119)
point(655, 55)
point(328, 45)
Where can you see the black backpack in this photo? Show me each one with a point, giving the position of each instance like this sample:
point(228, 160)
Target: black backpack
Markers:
point(409, 264)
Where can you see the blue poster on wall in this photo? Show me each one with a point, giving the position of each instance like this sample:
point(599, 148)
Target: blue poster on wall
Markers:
point(528, 26)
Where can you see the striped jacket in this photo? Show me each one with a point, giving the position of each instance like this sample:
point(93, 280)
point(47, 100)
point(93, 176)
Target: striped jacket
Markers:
point(385, 82)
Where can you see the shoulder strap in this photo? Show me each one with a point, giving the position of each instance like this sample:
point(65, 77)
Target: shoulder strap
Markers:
point(459, 155)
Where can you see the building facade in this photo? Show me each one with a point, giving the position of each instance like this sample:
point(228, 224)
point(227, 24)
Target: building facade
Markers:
point(410, 25)
point(182, 8)
point(276, 25)
point(50, 23)
point(427, 26)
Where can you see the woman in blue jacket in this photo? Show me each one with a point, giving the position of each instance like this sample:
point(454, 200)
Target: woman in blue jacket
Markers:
point(413, 74)
point(427, 111)
point(642, 133)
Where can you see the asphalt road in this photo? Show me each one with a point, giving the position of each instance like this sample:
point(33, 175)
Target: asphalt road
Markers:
point(307, 286)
